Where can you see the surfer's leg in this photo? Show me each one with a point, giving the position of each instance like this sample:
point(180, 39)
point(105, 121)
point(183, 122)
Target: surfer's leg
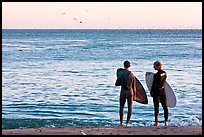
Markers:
point(122, 104)
point(156, 109)
point(164, 105)
point(166, 123)
point(129, 100)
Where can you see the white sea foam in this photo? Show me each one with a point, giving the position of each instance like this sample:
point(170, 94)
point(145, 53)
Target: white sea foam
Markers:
point(161, 43)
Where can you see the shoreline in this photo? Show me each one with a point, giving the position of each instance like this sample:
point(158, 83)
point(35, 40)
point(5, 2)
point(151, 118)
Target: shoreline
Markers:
point(109, 130)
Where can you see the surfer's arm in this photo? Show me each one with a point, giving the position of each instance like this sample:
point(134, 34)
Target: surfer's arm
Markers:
point(151, 92)
point(118, 82)
point(134, 88)
point(153, 85)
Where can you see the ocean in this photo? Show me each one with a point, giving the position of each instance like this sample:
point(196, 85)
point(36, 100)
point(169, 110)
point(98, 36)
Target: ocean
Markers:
point(59, 78)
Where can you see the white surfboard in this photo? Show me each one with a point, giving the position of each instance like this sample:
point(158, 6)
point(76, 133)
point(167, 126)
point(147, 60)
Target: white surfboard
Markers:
point(170, 96)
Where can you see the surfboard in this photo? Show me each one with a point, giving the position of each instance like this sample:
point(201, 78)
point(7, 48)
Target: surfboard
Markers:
point(170, 95)
point(141, 96)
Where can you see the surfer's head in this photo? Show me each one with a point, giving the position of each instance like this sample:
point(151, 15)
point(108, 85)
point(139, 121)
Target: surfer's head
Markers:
point(157, 65)
point(126, 64)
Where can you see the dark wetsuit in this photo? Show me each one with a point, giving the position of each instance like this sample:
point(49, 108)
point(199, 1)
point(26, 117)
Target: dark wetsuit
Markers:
point(158, 93)
point(127, 82)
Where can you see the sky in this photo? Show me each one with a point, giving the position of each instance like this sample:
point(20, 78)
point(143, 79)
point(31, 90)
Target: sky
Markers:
point(102, 15)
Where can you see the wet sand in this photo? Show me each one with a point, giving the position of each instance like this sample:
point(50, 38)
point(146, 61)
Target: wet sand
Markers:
point(113, 130)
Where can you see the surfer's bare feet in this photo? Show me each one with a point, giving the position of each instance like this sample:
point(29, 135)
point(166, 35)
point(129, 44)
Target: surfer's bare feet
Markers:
point(155, 124)
point(120, 125)
point(165, 123)
point(126, 124)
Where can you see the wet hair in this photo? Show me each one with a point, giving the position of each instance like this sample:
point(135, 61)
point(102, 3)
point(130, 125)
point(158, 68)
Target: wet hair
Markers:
point(126, 64)
point(158, 63)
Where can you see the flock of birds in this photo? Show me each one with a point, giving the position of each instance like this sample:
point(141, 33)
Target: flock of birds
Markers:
point(63, 13)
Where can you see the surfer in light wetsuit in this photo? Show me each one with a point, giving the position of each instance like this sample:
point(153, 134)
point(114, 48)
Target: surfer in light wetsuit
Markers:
point(158, 93)
point(127, 82)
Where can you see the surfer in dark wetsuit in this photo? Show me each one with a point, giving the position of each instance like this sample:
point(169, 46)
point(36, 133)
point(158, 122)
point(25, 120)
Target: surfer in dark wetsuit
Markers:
point(158, 93)
point(127, 82)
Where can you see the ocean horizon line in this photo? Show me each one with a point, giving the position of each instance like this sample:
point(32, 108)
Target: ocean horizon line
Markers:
point(100, 29)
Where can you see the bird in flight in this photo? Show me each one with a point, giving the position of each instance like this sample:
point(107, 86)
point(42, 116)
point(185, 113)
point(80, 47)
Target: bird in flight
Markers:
point(76, 19)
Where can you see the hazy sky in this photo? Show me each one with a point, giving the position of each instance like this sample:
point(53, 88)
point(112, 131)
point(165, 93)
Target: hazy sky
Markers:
point(102, 15)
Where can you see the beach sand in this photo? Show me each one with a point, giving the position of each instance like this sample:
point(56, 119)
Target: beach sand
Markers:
point(112, 130)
